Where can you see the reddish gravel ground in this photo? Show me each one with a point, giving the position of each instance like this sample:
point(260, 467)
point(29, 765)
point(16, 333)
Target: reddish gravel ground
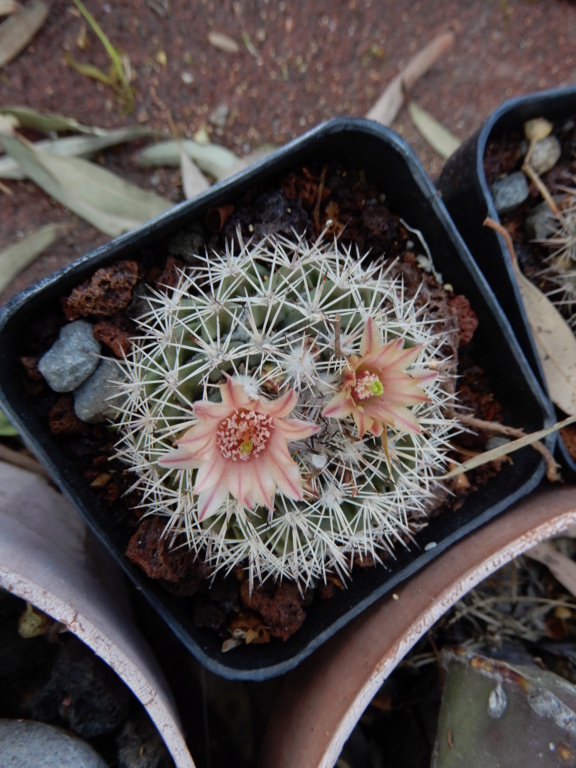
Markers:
point(304, 63)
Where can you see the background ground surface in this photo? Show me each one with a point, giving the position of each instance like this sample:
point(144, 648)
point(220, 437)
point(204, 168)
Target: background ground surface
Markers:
point(298, 64)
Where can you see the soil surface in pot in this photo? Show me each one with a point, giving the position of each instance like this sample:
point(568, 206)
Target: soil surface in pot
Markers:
point(307, 200)
point(527, 222)
point(48, 675)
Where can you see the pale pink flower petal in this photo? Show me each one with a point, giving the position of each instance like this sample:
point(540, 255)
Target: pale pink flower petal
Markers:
point(239, 447)
point(371, 338)
point(339, 406)
point(210, 501)
point(281, 407)
point(296, 429)
point(375, 388)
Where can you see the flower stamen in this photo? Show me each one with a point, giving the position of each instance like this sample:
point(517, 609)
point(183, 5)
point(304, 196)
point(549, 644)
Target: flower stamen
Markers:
point(243, 435)
point(367, 385)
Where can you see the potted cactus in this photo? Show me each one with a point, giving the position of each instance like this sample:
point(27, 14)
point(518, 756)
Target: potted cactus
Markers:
point(469, 184)
point(289, 363)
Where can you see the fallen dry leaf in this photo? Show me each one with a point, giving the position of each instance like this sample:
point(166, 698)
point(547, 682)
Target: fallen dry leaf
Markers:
point(210, 158)
point(507, 448)
point(17, 31)
point(9, 6)
point(102, 198)
point(223, 42)
point(193, 181)
point(72, 146)
point(555, 343)
point(48, 122)
point(388, 105)
point(16, 257)
point(437, 136)
point(560, 566)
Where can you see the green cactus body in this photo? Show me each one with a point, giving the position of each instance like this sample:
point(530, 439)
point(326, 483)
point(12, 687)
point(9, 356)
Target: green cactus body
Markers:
point(560, 267)
point(272, 315)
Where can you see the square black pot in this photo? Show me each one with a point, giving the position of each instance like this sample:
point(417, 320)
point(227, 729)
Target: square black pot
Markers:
point(469, 201)
point(393, 167)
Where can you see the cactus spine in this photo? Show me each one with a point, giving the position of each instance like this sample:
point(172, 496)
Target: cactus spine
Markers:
point(280, 315)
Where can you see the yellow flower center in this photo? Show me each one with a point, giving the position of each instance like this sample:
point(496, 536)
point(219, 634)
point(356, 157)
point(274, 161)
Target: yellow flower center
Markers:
point(367, 385)
point(243, 435)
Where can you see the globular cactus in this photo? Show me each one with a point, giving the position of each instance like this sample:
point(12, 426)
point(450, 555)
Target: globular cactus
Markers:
point(560, 267)
point(307, 396)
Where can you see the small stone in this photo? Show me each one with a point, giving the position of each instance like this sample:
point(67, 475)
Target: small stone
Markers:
point(510, 192)
point(219, 116)
point(540, 224)
point(497, 441)
point(91, 402)
point(140, 746)
point(72, 358)
point(27, 743)
point(545, 154)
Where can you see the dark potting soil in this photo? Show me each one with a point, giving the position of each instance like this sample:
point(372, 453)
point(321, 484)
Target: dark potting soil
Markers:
point(308, 200)
point(505, 155)
point(54, 678)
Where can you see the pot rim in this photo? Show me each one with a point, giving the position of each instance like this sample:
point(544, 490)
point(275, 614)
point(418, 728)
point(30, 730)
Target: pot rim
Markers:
point(341, 132)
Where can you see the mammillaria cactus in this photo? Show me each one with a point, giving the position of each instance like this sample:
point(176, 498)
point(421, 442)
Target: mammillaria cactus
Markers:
point(286, 406)
point(561, 264)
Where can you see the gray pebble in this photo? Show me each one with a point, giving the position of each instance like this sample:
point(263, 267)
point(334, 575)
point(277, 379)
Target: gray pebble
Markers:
point(497, 441)
point(72, 358)
point(510, 192)
point(91, 402)
point(541, 223)
point(25, 743)
point(219, 116)
point(545, 154)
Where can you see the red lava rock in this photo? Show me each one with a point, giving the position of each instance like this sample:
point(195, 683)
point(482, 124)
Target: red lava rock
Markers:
point(569, 437)
point(30, 365)
point(170, 275)
point(62, 418)
point(116, 334)
point(467, 320)
point(108, 292)
point(280, 607)
point(151, 551)
point(207, 614)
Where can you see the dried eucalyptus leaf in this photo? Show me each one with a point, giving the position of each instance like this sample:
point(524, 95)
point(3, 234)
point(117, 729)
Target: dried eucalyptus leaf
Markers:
point(390, 102)
point(504, 450)
point(18, 31)
point(560, 566)
point(16, 257)
point(193, 181)
point(9, 6)
point(48, 122)
point(210, 158)
point(106, 201)
point(252, 157)
point(555, 343)
point(75, 146)
point(437, 136)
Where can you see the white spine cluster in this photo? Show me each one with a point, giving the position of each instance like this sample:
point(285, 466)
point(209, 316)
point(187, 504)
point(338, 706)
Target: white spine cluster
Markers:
point(271, 315)
point(561, 263)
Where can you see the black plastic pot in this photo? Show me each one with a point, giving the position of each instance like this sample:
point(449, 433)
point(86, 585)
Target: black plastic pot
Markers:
point(393, 167)
point(467, 196)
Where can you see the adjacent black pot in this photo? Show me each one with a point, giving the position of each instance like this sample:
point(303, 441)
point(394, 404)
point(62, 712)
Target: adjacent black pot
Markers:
point(467, 196)
point(393, 167)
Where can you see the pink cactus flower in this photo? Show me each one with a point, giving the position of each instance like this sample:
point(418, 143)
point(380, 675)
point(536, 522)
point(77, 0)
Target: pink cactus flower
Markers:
point(240, 447)
point(375, 388)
